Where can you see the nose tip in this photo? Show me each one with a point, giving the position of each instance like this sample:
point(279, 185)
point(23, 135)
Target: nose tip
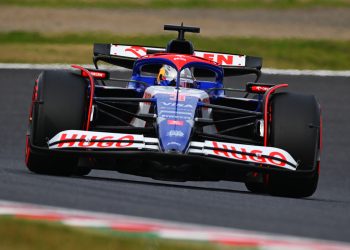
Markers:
point(174, 150)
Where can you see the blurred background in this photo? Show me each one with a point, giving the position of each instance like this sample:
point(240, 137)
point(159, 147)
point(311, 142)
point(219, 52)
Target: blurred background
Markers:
point(303, 34)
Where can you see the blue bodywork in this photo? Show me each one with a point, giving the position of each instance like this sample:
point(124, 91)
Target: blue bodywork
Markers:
point(175, 118)
point(152, 80)
point(175, 122)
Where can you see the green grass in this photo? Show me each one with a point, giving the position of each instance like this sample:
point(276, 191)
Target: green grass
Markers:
point(26, 47)
point(232, 4)
point(19, 234)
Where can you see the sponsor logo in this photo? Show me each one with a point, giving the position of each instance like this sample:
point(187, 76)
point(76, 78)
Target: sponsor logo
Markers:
point(174, 143)
point(180, 97)
point(128, 51)
point(137, 50)
point(174, 122)
point(178, 117)
point(171, 111)
point(173, 104)
point(175, 133)
point(257, 154)
point(98, 74)
point(223, 59)
point(95, 74)
point(220, 59)
point(95, 141)
point(180, 59)
point(260, 89)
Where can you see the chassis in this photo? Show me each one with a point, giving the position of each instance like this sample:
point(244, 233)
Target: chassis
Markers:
point(269, 139)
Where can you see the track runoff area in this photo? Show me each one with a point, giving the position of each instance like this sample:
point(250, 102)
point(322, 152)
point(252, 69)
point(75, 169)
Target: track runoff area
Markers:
point(141, 227)
point(144, 227)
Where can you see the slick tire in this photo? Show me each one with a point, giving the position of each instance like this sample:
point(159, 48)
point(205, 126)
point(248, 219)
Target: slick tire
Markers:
point(295, 127)
point(59, 103)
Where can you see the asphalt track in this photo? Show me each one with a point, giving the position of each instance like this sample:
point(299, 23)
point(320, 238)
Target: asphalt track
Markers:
point(326, 215)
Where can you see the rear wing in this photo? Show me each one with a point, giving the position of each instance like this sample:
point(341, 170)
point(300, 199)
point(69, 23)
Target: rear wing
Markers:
point(125, 56)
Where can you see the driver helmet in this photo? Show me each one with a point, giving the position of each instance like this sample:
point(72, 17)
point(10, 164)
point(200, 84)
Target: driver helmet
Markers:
point(167, 76)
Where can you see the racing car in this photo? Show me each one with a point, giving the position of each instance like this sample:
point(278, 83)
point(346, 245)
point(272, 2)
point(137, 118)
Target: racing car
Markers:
point(176, 118)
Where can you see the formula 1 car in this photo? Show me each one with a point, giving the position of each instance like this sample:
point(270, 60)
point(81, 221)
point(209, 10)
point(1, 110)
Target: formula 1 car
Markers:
point(175, 120)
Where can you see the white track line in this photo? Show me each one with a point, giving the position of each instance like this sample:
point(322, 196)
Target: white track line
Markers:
point(267, 71)
point(166, 229)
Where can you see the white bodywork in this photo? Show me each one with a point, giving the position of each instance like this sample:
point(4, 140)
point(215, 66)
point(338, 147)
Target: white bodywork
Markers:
point(139, 51)
point(101, 140)
point(257, 154)
point(79, 139)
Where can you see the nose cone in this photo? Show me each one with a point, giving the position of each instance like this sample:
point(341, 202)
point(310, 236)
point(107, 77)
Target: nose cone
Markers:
point(175, 122)
point(174, 135)
point(174, 149)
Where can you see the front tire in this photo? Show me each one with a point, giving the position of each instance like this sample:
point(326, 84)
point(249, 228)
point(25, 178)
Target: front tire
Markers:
point(295, 127)
point(59, 103)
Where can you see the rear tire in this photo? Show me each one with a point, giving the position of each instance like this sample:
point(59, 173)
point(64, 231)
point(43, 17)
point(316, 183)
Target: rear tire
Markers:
point(59, 103)
point(295, 127)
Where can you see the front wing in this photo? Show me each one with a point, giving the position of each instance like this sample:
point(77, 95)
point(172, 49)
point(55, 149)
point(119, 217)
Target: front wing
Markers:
point(91, 142)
